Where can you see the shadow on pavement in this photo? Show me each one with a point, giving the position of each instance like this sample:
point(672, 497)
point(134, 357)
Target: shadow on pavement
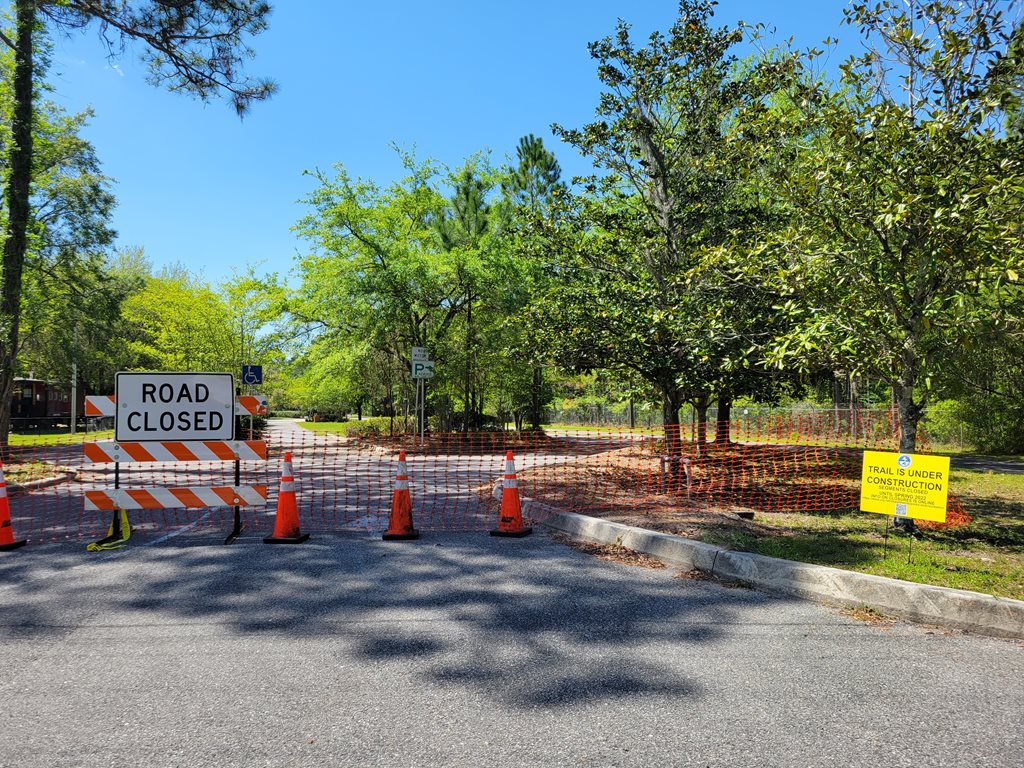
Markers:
point(529, 623)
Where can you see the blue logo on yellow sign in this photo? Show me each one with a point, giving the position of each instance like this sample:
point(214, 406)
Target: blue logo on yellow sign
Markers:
point(904, 461)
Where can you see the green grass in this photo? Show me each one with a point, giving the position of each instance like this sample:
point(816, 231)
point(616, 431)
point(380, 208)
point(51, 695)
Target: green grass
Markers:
point(376, 426)
point(948, 450)
point(597, 427)
point(987, 556)
point(59, 438)
point(330, 427)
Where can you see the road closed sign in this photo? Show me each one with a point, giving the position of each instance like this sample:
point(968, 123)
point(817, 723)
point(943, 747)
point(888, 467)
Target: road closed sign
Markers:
point(174, 406)
point(905, 485)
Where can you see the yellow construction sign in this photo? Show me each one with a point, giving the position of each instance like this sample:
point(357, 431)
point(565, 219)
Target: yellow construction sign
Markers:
point(905, 485)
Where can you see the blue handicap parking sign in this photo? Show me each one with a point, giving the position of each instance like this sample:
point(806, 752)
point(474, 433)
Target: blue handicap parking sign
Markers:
point(252, 374)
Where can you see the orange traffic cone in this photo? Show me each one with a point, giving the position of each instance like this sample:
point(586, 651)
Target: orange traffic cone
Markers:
point(7, 541)
point(511, 521)
point(400, 528)
point(286, 526)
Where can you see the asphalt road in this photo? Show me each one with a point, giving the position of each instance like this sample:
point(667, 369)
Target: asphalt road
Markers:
point(465, 650)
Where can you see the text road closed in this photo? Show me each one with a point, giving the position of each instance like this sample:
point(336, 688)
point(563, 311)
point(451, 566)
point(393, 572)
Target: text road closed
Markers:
point(175, 406)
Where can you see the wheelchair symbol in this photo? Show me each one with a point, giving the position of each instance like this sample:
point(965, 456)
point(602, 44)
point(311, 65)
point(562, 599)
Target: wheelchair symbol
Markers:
point(252, 374)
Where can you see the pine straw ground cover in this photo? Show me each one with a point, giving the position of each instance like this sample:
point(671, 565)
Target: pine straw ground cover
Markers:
point(804, 509)
point(18, 474)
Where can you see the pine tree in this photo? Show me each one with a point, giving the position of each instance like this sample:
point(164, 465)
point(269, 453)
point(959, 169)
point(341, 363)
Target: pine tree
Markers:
point(194, 46)
point(533, 185)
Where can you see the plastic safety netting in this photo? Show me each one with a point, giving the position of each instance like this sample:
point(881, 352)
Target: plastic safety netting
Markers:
point(767, 465)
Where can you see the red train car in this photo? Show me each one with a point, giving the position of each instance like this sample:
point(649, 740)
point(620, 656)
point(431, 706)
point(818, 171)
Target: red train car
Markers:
point(38, 404)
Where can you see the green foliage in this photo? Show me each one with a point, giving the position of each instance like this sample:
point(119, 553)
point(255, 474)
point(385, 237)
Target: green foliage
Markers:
point(194, 47)
point(1006, 82)
point(198, 47)
point(987, 382)
point(175, 322)
point(909, 203)
point(379, 426)
point(536, 181)
point(67, 298)
point(655, 276)
point(405, 265)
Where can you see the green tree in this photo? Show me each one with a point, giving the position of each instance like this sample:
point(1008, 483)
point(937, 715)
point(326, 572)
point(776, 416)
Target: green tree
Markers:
point(909, 203)
point(68, 302)
point(422, 262)
point(532, 187)
point(463, 225)
point(194, 46)
point(377, 275)
point(1006, 82)
point(670, 136)
point(259, 335)
point(176, 322)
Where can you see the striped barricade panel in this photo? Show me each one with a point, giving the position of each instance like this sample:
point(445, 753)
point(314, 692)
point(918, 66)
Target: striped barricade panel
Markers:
point(176, 498)
point(100, 405)
point(196, 450)
point(254, 405)
point(245, 405)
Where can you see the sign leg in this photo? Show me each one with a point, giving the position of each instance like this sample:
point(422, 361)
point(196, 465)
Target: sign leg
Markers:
point(236, 529)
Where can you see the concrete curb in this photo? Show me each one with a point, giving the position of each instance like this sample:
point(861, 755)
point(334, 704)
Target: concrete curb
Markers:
point(957, 608)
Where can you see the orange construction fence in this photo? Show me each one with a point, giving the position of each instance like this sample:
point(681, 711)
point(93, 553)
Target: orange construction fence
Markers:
point(455, 480)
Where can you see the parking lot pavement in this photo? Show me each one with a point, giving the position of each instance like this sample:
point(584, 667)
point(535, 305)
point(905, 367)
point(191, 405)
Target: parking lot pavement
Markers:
point(464, 650)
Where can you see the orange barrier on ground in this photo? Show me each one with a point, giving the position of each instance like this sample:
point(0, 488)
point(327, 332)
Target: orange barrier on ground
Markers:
point(7, 540)
point(401, 527)
point(781, 464)
point(286, 525)
point(510, 522)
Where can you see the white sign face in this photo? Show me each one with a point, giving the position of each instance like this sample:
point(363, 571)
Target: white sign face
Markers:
point(423, 369)
point(174, 406)
point(419, 354)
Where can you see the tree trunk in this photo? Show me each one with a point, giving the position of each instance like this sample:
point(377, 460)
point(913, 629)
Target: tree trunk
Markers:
point(467, 406)
point(535, 397)
point(671, 402)
point(724, 417)
point(910, 412)
point(701, 408)
point(19, 185)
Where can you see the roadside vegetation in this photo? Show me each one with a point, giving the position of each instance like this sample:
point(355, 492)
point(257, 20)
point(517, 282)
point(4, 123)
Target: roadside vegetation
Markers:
point(987, 556)
point(61, 438)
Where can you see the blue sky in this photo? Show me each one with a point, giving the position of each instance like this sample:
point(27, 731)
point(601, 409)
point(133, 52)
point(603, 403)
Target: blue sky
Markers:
point(198, 186)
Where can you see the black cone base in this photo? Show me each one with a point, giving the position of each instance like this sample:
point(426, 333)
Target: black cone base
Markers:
point(287, 539)
point(12, 545)
point(413, 534)
point(513, 534)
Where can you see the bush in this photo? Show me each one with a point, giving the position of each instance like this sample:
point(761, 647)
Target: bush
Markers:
point(378, 426)
point(335, 417)
point(259, 425)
